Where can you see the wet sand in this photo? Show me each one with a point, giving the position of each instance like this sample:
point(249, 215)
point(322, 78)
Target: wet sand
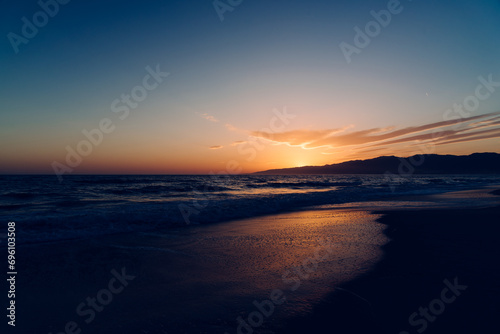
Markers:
point(404, 293)
point(302, 272)
point(198, 279)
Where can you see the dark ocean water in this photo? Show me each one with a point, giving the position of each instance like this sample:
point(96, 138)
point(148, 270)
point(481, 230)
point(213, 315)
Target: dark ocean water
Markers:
point(46, 210)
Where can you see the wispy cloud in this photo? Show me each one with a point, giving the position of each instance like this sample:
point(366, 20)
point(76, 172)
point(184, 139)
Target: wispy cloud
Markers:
point(303, 138)
point(477, 135)
point(216, 147)
point(208, 117)
point(233, 128)
point(370, 140)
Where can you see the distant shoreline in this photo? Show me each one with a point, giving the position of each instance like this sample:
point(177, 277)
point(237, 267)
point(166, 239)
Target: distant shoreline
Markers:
point(391, 166)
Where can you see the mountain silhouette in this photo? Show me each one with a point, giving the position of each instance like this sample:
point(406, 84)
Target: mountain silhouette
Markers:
point(477, 163)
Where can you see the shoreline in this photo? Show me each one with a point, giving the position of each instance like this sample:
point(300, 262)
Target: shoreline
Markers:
point(363, 204)
point(430, 250)
point(193, 281)
point(197, 280)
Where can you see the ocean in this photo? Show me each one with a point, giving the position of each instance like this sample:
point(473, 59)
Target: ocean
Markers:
point(88, 205)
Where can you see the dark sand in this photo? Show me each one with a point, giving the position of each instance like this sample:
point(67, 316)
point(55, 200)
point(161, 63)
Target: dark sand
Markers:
point(200, 279)
point(426, 247)
point(194, 280)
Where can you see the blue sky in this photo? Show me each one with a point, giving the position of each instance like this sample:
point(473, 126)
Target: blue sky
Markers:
point(227, 77)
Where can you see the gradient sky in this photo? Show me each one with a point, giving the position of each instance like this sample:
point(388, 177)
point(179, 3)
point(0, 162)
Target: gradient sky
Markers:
point(216, 111)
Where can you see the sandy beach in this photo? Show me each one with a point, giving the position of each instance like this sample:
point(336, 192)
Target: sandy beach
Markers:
point(337, 270)
point(196, 280)
point(250, 167)
point(438, 274)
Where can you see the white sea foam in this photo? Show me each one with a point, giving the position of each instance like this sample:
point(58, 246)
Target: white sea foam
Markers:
point(84, 206)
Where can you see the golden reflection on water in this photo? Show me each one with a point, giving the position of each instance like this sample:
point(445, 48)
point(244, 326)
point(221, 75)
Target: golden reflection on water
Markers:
point(215, 273)
point(255, 256)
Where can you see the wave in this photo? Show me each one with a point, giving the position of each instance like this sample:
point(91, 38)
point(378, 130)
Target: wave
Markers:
point(129, 180)
point(166, 202)
point(84, 219)
point(19, 195)
point(167, 189)
point(301, 185)
point(12, 206)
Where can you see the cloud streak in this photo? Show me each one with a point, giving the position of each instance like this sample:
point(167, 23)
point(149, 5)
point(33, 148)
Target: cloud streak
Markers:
point(208, 117)
point(485, 126)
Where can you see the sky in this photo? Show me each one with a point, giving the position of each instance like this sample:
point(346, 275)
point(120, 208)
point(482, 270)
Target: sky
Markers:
point(231, 86)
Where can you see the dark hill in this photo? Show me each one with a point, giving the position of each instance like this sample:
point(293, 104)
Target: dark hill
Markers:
point(477, 163)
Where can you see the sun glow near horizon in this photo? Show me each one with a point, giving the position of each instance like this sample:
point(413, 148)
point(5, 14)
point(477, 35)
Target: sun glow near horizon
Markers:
point(232, 84)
